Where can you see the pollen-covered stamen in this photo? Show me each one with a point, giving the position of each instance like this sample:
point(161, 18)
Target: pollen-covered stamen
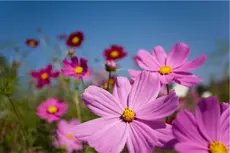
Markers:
point(114, 53)
point(217, 147)
point(75, 40)
point(78, 70)
point(128, 115)
point(69, 135)
point(44, 76)
point(52, 109)
point(165, 70)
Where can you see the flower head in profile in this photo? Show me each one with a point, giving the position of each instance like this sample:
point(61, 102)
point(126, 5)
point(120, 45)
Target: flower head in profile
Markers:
point(207, 131)
point(115, 52)
point(75, 39)
point(110, 66)
point(43, 76)
point(71, 52)
point(76, 68)
point(32, 43)
point(51, 109)
point(65, 138)
point(171, 67)
point(129, 116)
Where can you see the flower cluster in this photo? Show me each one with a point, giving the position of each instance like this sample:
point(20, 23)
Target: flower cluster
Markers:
point(140, 113)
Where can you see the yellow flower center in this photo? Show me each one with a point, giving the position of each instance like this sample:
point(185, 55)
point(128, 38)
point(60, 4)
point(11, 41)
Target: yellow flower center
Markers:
point(165, 70)
point(128, 115)
point(69, 135)
point(114, 53)
point(78, 69)
point(75, 40)
point(44, 76)
point(32, 43)
point(217, 147)
point(52, 109)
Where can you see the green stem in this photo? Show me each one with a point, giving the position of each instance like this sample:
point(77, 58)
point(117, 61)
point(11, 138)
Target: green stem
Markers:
point(110, 75)
point(19, 118)
point(167, 86)
point(77, 101)
point(83, 84)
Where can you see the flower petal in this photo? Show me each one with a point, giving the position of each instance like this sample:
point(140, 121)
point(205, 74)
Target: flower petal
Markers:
point(35, 74)
point(159, 108)
point(224, 131)
point(162, 132)
point(134, 73)
point(160, 55)
point(186, 78)
point(66, 63)
point(185, 128)
point(178, 55)
point(146, 61)
point(104, 134)
point(101, 102)
point(191, 148)
point(224, 106)
point(112, 139)
point(83, 63)
point(121, 90)
point(191, 65)
point(74, 60)
point(208, 117)
point(137, 142)
point(62, 124)
point(54, 74)
point(49, 68)
point(145, 88)
point(166, 79)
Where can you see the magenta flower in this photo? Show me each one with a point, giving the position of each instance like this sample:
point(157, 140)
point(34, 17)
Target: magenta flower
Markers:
point(51, 109)
point(65, 138)
point(172, 67)
point(75, 68)
point(206, 132)
point(130, 115)
point(43, 76)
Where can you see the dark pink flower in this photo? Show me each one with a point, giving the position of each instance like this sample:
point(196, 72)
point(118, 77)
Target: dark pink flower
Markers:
point(75, 68)
point(51, 109)
point(43, 76)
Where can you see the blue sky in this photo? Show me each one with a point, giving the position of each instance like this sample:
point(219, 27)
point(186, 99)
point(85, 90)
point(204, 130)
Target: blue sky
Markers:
point(134, 25)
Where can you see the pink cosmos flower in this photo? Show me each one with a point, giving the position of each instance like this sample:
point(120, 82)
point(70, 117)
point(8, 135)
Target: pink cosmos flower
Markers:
point(169, 68)
point(65, 138)
point(43, 76)
point(130, 115)
point(76, 69)
point(206, 132)
point(51, 109)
